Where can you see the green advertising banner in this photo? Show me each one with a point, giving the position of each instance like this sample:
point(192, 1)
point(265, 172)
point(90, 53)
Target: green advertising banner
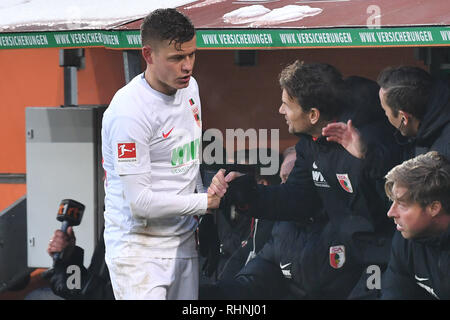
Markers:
point(343, 37)
point(240, 38)
point(71, 39)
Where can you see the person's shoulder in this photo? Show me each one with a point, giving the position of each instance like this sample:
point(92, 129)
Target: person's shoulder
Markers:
point(441, 143)
point(193, 84)
point(193, 81)
point(124, 93)
point(444, 137)
point(132, 88)
point(131, 99)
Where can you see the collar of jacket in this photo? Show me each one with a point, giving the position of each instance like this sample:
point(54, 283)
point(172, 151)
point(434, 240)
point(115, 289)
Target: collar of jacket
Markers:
point(443, 240)
point(320, 139)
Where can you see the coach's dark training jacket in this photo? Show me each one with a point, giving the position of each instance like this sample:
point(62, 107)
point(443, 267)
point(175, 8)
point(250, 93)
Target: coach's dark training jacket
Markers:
point(434, 129)
point(418, 269)
point(337, 201)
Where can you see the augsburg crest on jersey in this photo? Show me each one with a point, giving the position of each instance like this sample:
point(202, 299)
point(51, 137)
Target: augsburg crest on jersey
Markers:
point(195, 112)
point(337, 256)
point(345, 183)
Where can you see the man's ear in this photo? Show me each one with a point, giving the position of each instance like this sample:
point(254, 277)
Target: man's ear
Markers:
point(405, 117)
point(314, 115)
point(147, 54)
point(434, 208)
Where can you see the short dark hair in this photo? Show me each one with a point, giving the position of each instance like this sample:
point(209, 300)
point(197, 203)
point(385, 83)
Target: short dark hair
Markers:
point(166, 24)
point(361, 95)
point(406, 88)
point(313, 85)
point(426, 178)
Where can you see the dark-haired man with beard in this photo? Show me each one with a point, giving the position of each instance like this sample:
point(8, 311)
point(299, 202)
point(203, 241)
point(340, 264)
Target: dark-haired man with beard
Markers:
point(334, 203)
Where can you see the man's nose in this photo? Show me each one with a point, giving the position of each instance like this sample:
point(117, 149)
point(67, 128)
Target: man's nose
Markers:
point(281, 110)
point(392, 212)
point(188, 64)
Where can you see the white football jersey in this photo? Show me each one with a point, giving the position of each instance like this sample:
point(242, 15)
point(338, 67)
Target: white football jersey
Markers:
point(145, 131)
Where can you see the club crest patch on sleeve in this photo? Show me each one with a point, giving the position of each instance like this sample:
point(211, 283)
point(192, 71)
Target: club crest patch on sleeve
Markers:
point(126, 151)
point(345, 183)
point(195, 112)
point(337, 256)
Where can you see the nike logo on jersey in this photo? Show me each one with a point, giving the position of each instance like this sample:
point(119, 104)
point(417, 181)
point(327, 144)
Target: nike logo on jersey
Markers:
point(429, 289)
point(282, 266)
point(165, 135)
point(421, 279)
point(286, 273)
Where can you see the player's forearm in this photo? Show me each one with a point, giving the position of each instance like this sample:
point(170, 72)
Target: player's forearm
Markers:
point(145, 203)
point(151, 205)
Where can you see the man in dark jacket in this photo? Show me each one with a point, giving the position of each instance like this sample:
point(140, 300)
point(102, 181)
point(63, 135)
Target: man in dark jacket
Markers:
point(95, 282)
point(419, 267)
point(334, 197)
point(418, 106)
point(415, 104)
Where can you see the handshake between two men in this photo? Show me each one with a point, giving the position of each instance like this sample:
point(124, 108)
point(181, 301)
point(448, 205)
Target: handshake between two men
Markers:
point(237, 188)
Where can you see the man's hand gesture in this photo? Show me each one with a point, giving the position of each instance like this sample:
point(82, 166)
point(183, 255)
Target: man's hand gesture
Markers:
point(346, 135)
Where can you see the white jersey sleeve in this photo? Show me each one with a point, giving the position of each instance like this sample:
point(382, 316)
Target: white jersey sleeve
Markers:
point(144, 203)
point(130, 145)
point(199, 184)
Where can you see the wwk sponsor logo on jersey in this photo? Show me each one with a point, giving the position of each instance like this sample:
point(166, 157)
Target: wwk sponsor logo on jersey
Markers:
point(126, 151)
point(185, 155)
point(318, 178)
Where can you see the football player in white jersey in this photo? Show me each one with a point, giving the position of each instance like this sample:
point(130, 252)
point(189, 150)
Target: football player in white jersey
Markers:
point(151, 139)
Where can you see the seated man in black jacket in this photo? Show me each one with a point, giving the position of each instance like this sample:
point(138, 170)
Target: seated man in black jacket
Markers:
point(94, 283)
point(419, 267)
point(417, 105)
point(334, 202)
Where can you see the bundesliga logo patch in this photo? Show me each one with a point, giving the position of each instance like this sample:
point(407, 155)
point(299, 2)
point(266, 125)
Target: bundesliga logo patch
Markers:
point(126, 152)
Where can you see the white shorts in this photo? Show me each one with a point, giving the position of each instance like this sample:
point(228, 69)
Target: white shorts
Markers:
point(141, 278)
